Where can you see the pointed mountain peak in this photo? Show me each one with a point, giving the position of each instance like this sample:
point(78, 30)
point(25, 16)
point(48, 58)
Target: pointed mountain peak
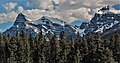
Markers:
point(104, 10)
point(44, 17)
point(20, 14)
point(107, 7)
point(21, 18)
point(52, 20)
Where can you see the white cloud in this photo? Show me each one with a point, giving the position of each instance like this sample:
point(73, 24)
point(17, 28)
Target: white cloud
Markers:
point(41, 4)
point(35, 14)
point(9, 6)
point(8, 16)
point(20, 9)
point(28, 4)
point(68, 10)
point(11, 15)
point(67, 4)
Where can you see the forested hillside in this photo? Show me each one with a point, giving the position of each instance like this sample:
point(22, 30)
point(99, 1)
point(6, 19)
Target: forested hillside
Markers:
point(24, 48)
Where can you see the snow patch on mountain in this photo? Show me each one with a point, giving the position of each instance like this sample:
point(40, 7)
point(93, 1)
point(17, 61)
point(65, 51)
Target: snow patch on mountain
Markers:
point(81, 31)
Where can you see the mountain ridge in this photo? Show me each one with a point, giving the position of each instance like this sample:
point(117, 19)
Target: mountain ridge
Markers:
point(104, 22)
point(44, 25)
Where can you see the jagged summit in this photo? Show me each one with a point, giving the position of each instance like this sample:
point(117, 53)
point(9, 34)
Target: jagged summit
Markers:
point(21, 18)
point(104, 10)
point(104, 23)
point(44, 17)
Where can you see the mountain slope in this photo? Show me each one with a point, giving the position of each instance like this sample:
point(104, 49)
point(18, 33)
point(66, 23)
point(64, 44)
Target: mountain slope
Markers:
point(20, 24)
point(45, 24)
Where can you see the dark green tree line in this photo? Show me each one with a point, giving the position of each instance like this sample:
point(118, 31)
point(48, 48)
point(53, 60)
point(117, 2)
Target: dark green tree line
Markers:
point(88, 48)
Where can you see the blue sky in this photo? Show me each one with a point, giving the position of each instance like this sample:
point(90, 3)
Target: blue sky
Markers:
point(22, 3)
point(68, 10)
point(117, 6)
point(5, 26)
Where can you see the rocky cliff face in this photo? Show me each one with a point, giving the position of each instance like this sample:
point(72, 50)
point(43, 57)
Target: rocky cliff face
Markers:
point(103, 22)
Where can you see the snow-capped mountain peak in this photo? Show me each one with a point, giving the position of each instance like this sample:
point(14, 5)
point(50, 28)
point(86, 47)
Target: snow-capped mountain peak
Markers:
point(103, 22)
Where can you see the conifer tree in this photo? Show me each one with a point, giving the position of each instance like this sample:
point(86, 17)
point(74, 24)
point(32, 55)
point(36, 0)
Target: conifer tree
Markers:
point(55, 49)
point(112, 44)
point(116, 50)
point(62, 39)
point(48, 47)
point(19, 52)
point(13, 50)
point(98, 48)
point(78, 57)
point(41, 48)
point(49, 35)
point(6, 49)
point(25, 47)
point(107, 56)
point(7, 53)
point(84, 47)
point(98, 42)
point(94, 54)
point(1, 49)
point(78, 41)
point(77, 44)
point(32, 49)
point(90, 41)
point(22, 47)
point(63, 52)
point(71, 55)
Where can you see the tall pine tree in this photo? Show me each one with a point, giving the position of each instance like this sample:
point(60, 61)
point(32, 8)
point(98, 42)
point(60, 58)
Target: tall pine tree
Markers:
point(63, 46)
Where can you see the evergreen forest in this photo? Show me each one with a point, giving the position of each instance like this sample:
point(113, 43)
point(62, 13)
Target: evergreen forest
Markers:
point(24, 48)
